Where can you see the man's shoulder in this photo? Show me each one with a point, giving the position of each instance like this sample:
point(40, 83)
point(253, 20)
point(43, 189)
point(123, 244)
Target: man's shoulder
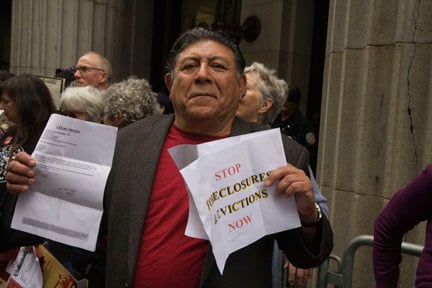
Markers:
point(240, 126)
point(145, 129)
point(147, 124)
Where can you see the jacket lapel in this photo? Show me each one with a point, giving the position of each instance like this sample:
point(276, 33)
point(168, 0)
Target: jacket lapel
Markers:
point(144, 156)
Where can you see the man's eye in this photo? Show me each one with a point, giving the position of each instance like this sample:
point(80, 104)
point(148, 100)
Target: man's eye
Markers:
point(82, 69)
point(218, 67)
point(188, 66)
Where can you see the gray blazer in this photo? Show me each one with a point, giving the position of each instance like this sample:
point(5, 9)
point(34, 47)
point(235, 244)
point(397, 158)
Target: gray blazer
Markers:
point(126, 201)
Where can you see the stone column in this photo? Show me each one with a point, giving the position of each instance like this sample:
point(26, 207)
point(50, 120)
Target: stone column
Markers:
point(48, 34)
point(375, 118)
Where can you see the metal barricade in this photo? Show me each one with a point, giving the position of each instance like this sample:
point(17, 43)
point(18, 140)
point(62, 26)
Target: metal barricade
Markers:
point(342, 278)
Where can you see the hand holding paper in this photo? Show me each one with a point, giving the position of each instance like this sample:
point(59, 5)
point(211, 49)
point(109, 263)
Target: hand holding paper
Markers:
point(294, 181)
point(226, 182)
point(65, 203)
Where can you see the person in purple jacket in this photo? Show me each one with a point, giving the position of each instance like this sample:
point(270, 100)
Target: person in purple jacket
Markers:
point(407, 208)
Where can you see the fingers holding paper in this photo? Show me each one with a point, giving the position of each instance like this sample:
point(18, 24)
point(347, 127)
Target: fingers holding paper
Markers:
point(20, 173)
point(294, 181)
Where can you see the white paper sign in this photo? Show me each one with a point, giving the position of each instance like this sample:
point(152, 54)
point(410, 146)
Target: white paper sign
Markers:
point(73, 160)
point(226, 180)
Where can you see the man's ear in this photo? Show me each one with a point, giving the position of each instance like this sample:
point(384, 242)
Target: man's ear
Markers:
point(242, 85)
point(168, 83)
point(103, 77)
point(266, 105)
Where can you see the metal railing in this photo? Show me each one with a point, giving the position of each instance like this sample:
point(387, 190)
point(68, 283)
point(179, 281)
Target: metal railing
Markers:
point(343, 276)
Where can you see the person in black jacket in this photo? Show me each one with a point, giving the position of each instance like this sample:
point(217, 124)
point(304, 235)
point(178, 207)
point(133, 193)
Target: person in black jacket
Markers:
point(292, 123)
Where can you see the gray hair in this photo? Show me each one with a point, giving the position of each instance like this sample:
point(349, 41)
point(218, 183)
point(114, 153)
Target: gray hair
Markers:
point(271, 87)
point(83, 99)
point(131, 100)
point(199, 34)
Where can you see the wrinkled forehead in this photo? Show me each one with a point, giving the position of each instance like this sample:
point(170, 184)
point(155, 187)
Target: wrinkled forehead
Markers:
point(89, 60)
point(206, 49)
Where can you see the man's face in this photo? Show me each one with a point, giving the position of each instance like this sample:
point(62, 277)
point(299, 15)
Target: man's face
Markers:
point(89, 72)
point(205, 85)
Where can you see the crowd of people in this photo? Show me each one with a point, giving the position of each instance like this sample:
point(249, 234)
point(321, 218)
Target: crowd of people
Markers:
point(27, 105)
point(210, 95)
point(144, 216)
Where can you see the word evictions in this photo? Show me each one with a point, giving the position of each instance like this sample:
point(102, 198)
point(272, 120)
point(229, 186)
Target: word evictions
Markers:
point(236, 206)
point(239, 187)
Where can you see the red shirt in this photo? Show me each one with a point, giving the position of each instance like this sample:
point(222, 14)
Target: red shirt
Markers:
point(168, 258)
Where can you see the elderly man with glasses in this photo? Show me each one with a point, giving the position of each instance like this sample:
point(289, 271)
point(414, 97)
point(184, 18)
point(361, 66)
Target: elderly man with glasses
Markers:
point(93, 69)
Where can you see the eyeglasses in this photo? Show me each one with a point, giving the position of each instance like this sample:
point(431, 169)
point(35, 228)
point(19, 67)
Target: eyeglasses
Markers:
point(84, 69)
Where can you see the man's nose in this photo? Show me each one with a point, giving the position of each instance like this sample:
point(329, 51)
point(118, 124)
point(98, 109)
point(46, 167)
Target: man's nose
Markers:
point(203, 72)
point(77, 73)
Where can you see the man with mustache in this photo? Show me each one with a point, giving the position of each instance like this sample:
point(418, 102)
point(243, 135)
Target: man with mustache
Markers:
point(146, 199)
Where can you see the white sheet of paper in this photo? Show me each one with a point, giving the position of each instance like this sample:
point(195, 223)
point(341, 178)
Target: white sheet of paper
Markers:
point(73, 158)
point(26, 270)
point(183, 155)
point(246, 212)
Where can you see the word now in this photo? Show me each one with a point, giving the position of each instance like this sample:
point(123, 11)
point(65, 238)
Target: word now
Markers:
point(231, 170)
point(238, 224)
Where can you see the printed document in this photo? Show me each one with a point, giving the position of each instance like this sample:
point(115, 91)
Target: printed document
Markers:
point(73, 159)
point(228, 202)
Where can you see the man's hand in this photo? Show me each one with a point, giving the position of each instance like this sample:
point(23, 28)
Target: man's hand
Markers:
point(294, 181)
point(297, 275)
point(20, 173)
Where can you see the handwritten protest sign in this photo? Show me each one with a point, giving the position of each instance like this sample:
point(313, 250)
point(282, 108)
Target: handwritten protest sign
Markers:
point(229, 203)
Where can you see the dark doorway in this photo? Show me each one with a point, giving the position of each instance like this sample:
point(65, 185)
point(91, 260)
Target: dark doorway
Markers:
point(166, 28)
point(5, 32)
point(171, 18)
point(317, 62)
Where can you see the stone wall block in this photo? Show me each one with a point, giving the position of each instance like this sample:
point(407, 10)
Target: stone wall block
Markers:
point(85, 27)
point(19, 37)
point(336, 31)
point(343, 219)
point(38, 33)
point(414, 22)
point(349, 122)
point(357, 27)
point(52, 39)
point(68, 35)
point(424, 22)
point(376, 124)
point(329, 119)
point(420, 104)
point(99, 27)
point(384, 22)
